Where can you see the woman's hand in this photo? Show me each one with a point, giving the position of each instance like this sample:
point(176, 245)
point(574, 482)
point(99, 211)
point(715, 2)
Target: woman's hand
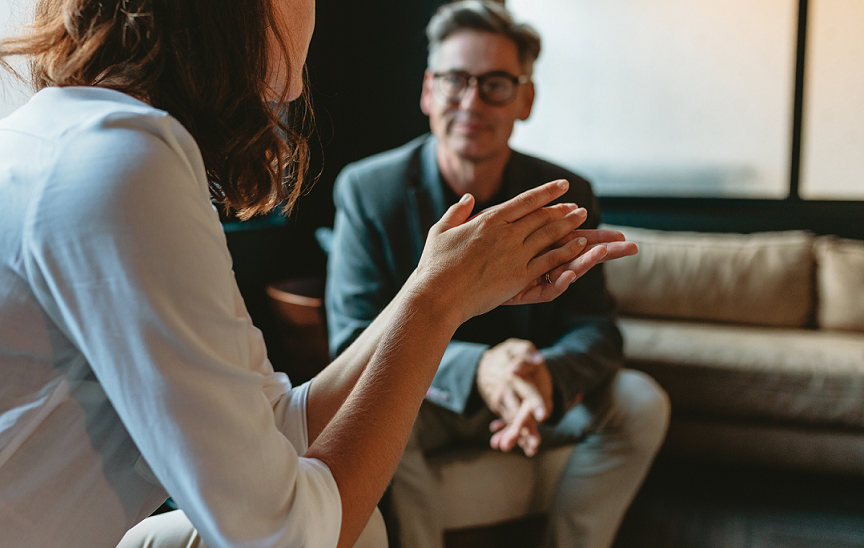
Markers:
point(503, 253)
point(470, 266)
point(599, 246)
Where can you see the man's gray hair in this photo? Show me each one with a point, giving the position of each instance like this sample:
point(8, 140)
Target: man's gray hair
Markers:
point(484, 16)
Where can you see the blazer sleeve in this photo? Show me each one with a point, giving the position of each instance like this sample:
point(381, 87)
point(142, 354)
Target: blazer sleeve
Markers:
point(358, 284)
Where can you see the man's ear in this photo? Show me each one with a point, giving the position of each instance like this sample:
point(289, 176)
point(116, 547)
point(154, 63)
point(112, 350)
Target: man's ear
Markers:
point(426, 94)
point(527, 101)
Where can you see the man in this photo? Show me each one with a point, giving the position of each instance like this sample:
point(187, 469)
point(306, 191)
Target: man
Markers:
point(528, 376)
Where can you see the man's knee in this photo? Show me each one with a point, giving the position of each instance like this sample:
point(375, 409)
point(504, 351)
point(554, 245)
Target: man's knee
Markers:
point(643, 407)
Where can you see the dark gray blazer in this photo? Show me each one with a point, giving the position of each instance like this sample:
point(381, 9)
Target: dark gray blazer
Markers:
point(385, 206)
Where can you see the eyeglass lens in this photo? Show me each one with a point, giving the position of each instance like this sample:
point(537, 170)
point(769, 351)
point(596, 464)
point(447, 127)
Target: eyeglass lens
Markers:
point(493, 88)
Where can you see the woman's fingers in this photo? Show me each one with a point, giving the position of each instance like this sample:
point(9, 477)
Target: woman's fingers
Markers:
point(569, 252)
point(592, 236)
point(504, 253)
point(617, 250)
point(610, 250)
point(546, 230)
point(539, 290)
point(531, 200)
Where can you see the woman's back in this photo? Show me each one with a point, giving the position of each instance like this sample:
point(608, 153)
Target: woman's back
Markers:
point(117, 299)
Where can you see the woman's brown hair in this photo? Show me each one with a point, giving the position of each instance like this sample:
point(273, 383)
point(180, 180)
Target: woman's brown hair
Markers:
point(203, 61)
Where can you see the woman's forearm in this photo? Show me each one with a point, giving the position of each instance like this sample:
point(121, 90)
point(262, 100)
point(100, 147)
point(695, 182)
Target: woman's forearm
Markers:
point(363, 442)
point(331, 386)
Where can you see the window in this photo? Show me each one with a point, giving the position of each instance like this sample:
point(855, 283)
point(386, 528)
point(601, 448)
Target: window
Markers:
point(666, 97)
point(832, 148)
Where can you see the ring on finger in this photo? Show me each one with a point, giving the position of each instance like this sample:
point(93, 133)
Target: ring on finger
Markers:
point(548, 278)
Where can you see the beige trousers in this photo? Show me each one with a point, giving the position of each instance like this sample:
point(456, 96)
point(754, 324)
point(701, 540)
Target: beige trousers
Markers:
point(174, 530)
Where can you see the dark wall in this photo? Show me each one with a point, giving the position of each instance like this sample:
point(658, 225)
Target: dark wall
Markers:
point(366, 64)
point(365, 68)
point(844, 219)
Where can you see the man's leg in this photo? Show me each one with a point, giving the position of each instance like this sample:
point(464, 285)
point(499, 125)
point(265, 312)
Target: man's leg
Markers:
point(413, 494)
point(626, 425)
point(174, 530)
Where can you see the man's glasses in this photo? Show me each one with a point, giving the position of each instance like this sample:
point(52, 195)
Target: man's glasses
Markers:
point(494, 88)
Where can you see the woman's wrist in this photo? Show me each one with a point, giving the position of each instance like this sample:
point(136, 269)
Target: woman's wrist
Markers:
point(423, 298)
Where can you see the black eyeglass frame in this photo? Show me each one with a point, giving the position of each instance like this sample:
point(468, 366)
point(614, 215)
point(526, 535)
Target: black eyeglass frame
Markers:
point(479, 80)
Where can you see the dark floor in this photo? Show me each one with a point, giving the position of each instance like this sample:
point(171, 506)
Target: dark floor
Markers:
point(694, 504)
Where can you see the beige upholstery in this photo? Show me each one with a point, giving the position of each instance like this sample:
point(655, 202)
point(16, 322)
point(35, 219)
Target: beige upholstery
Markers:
point(785, 445)
point(840, 278)
point(758, 340)
point(800, 376)
point(760, 279)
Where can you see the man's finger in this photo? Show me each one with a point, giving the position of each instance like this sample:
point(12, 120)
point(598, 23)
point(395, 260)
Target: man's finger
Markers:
point(529, 442)
point(509, 403)
point(510, 435)
point(497, 425)
point(530, 396)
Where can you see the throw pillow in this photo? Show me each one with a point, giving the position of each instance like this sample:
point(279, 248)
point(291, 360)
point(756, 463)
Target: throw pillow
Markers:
point(840, 279)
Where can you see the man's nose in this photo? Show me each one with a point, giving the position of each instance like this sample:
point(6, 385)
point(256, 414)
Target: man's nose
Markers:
point(471, 96)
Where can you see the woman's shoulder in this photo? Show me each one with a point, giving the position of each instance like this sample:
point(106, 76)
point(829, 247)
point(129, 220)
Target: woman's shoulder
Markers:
point(107, 156)
point(109, 122)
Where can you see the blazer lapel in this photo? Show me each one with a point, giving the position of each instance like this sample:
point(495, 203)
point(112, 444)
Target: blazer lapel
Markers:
point(424, 192)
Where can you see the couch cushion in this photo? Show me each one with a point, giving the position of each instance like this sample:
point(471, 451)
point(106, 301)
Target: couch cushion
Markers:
point(760, 279)
point(768, 444)
point(840, 279)
point(797, 375)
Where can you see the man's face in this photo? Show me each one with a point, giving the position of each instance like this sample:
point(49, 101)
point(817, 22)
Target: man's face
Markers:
point(471, 128)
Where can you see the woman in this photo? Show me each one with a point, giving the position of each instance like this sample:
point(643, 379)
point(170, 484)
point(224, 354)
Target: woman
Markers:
point(129, 368)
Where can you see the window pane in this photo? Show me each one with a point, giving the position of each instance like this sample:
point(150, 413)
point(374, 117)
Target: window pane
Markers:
point(832, 156)
point(665, 97)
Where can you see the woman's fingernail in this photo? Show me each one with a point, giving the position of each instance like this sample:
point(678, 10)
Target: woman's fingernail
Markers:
point(582, 241)
point(563, 184)
point(465, 197)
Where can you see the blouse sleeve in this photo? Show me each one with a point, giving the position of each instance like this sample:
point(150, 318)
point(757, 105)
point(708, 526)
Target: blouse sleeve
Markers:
point(126, 255)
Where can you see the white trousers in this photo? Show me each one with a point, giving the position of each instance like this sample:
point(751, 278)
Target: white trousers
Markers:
point(619, 431)
point(174, 530)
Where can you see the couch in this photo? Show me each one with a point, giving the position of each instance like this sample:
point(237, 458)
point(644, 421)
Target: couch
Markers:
point(757, 338)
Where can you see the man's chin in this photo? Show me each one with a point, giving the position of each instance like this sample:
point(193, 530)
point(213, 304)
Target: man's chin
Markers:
point(471, 149)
